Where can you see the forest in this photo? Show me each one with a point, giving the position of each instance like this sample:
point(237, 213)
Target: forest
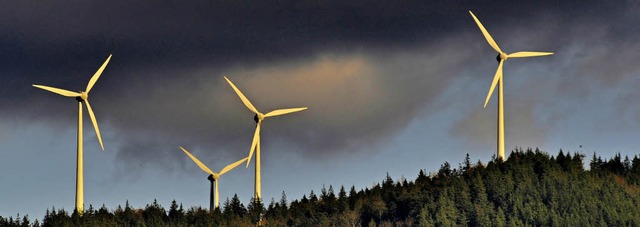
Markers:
point(529, 188)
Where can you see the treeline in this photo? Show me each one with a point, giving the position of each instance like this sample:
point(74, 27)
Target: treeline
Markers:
point(529, 188)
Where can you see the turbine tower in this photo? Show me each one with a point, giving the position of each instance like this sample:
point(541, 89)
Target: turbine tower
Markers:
point(81, 97)
point(214, 201)
point(501, 58)
point(255, 144)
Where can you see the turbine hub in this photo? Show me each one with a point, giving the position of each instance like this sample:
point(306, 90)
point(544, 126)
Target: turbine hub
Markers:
point(213, 177)
point(501, 56)
point(83, 96)
point(258, 117)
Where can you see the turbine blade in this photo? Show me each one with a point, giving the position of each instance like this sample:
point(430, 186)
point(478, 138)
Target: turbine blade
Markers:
point(524, 54)
point(202, 166)
point(497, 77)
point(97, 74)
point(242, 97)
point(58, 91)
point(284, 111)
point(232, 166)
point(95, 123)
point(254, 143)
point(486, 34)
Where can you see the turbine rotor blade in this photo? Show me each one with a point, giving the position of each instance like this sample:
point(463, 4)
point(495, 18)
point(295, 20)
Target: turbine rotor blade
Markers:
point(95, 123)
point(97, 74)
point(232, 166)
point(524, 54)
point(254, 143)
point(198, 162)
point(58, 91)
point(242, 97)
point(497, 77)
point(486, 34)
point(284, 111)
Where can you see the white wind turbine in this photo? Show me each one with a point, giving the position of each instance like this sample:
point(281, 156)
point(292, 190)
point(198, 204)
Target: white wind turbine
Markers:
point(259, 117)
point(501, 58)
point(81, 97)
point(214, 201)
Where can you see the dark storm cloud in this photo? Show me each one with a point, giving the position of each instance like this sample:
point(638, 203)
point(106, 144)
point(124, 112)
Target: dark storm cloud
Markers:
point(45, 35)
point(594, 57)
point(354, 101)
point(365, 69)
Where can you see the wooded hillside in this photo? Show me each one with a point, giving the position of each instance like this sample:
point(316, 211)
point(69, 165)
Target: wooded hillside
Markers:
point(529, 188)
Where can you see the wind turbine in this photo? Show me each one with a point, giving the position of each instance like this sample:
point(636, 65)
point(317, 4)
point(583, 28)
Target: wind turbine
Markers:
point(214, 202)
point(81, 97)
point(259, 117)
point(501, 58)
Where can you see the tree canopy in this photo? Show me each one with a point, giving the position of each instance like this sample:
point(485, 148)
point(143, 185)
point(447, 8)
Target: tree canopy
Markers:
point(529, 188)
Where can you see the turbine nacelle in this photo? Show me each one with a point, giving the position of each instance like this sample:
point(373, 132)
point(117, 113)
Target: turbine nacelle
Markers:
point(213, 177)
point(502, 57)
point(83, 96)
point(258, 117)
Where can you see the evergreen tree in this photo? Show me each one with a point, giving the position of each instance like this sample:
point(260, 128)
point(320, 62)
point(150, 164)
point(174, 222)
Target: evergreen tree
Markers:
point(467, 163)
point(154, 214)
point(255, 210)
point(446, 213)
point(236, 206)
point(500, 219)
point(352, 197)
point(634, 173)
point(594, 165)
point(313, 199)
point(425, 218)
point(25, 221)
point(422, 180)
point(343, 203)
point(176, 214)
point(445, 170)
point(283, 201)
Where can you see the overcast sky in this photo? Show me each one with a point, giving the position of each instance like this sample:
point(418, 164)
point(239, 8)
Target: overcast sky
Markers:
point(391, 87)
